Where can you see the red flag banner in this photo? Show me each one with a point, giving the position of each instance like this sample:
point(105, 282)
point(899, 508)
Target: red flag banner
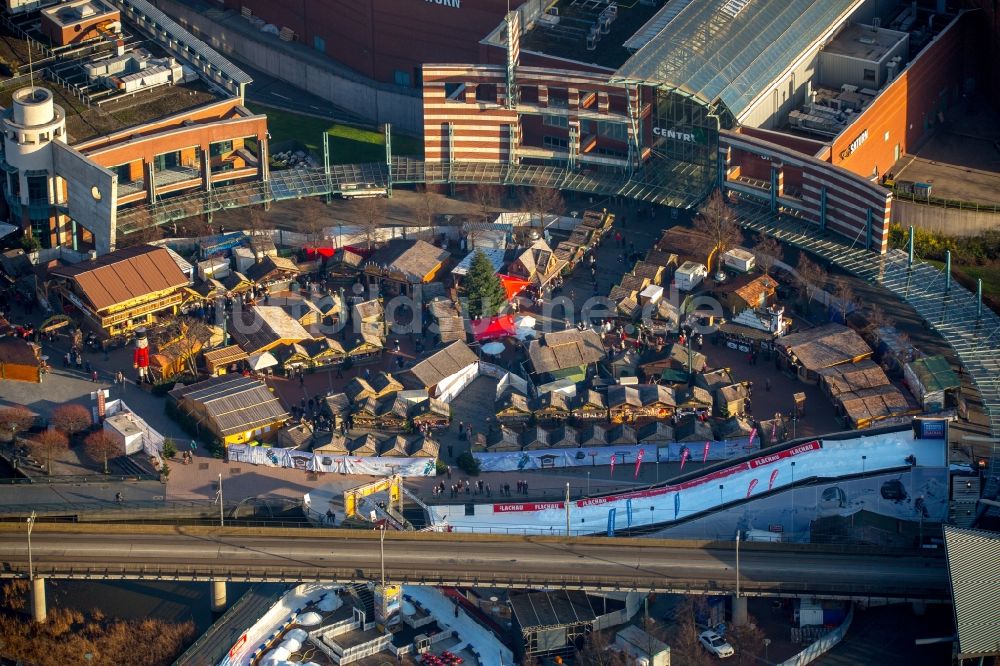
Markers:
point(704, 457)
point(753, 433)
point(753, 484)
point(774, 475)
point(684, 456)
point(613, 458)
point(638, 462)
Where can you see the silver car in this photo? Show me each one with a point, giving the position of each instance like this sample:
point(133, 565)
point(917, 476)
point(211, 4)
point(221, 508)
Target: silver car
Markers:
point(716, 644)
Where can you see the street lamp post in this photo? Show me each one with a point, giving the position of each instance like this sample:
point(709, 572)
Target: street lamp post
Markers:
point(222, 515)
point(31, 562)
point(381, 552)
point(767, 644)
point(651, 507)
point(721, 488)
point(588, 484)
point(737, 564)
point(567, 508)
point(863, 459)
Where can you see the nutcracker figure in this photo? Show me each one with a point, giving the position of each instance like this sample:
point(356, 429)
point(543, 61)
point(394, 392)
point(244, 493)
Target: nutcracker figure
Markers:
point(140, 357)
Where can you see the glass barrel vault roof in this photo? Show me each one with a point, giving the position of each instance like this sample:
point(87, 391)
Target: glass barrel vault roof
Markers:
point(713, 52)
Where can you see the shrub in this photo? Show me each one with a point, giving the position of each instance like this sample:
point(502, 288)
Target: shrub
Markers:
point(440, 467)
point(169, 448)
point(468, 464)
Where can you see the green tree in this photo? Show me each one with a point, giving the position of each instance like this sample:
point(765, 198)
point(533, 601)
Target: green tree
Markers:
point(485, 291)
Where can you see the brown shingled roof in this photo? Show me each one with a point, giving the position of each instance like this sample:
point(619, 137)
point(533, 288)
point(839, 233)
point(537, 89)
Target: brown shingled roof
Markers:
point(123, 275)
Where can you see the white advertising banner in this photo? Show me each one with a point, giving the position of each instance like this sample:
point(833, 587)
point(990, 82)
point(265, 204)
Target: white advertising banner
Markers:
point(585, 456)
point(340, 464)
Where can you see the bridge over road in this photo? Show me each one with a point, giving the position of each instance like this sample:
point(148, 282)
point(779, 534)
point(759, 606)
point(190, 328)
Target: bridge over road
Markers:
point(315, 555)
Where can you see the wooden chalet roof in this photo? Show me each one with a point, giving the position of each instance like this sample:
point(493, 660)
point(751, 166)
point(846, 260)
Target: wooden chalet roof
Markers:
point(367, 444)
point(714, 379)
point(732, 393)
point(513, 400)
point(430, 406)
point(225, 355)
point(358, 389)
point(679, 357)
point(337, 404)
point(423, 447)
point(594, 435)
point(633, 283)
point(333, 443)
point(825, 346)
point(369, 310)
point(873, 404)
point(269, 267)
point(564, 437)
point(655, 432)
point(620, 396)
point(414, 259)
point(346, 257)
point(591, 399)
point(732, 428)
point(753, 291)
point(438, 365)
point(645, 270)
point(661, 258)
point(17, 351)
point(848, 377)
point(263, 325)
point(690, 429)
point(123, 275)
point(555, 400)
point(233, 402)
point(295, 436)
point(621, 434)
point(655, 393)
point(565, 349)
point(395, 447)
point(320, 346)
point(384, 383)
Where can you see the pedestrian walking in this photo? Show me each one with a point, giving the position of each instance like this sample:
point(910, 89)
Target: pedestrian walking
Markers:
point(524, 487)
point(93, 376)
point(451, 454)
point(468, 431)
point(449, 466)
point(461, 430)
point(767, 384)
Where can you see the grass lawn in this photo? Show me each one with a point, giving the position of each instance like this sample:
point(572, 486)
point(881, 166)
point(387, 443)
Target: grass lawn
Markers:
point(347, 144)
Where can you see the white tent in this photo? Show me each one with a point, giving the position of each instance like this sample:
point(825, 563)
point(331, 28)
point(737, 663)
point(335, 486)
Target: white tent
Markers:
point(262, 361)
point(525, 327)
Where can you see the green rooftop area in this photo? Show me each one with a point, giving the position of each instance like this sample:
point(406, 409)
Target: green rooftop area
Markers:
point(348, 144)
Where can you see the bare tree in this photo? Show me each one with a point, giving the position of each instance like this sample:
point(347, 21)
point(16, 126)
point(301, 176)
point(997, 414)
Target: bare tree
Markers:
point(15, 419)
point(48, 444)
point(427, 210)
point(372, 218)
point(597, 651)
point(196, 336)
point(846, 298)
point(101, 446)
point(715, 220)
point(489, 198)
point(543, 201)
point(767, 251)
point(71, 419)
point(810, 277)
point(683, 636)
point(315, 219)
point(747, 640)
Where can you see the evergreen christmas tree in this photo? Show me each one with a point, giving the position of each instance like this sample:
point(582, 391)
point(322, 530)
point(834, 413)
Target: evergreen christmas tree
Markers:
point(485, 291)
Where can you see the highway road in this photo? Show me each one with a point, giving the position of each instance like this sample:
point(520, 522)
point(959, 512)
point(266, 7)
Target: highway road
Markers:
point(246, 554)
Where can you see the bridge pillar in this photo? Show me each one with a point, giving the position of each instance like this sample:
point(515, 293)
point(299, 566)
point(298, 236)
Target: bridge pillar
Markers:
point(218, 596)
point(38, 611)
point(739, 611)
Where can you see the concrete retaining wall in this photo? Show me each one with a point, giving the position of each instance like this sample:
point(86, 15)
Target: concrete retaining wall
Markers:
point(950, 221)
point(376, 102)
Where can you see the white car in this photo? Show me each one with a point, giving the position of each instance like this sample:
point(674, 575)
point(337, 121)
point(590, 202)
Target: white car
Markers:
point(716, 644)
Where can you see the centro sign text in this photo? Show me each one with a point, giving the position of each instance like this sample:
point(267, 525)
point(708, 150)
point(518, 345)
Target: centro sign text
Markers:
point(672, 134)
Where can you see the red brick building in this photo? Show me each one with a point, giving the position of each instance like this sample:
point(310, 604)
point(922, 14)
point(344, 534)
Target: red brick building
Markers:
point(386, 40)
